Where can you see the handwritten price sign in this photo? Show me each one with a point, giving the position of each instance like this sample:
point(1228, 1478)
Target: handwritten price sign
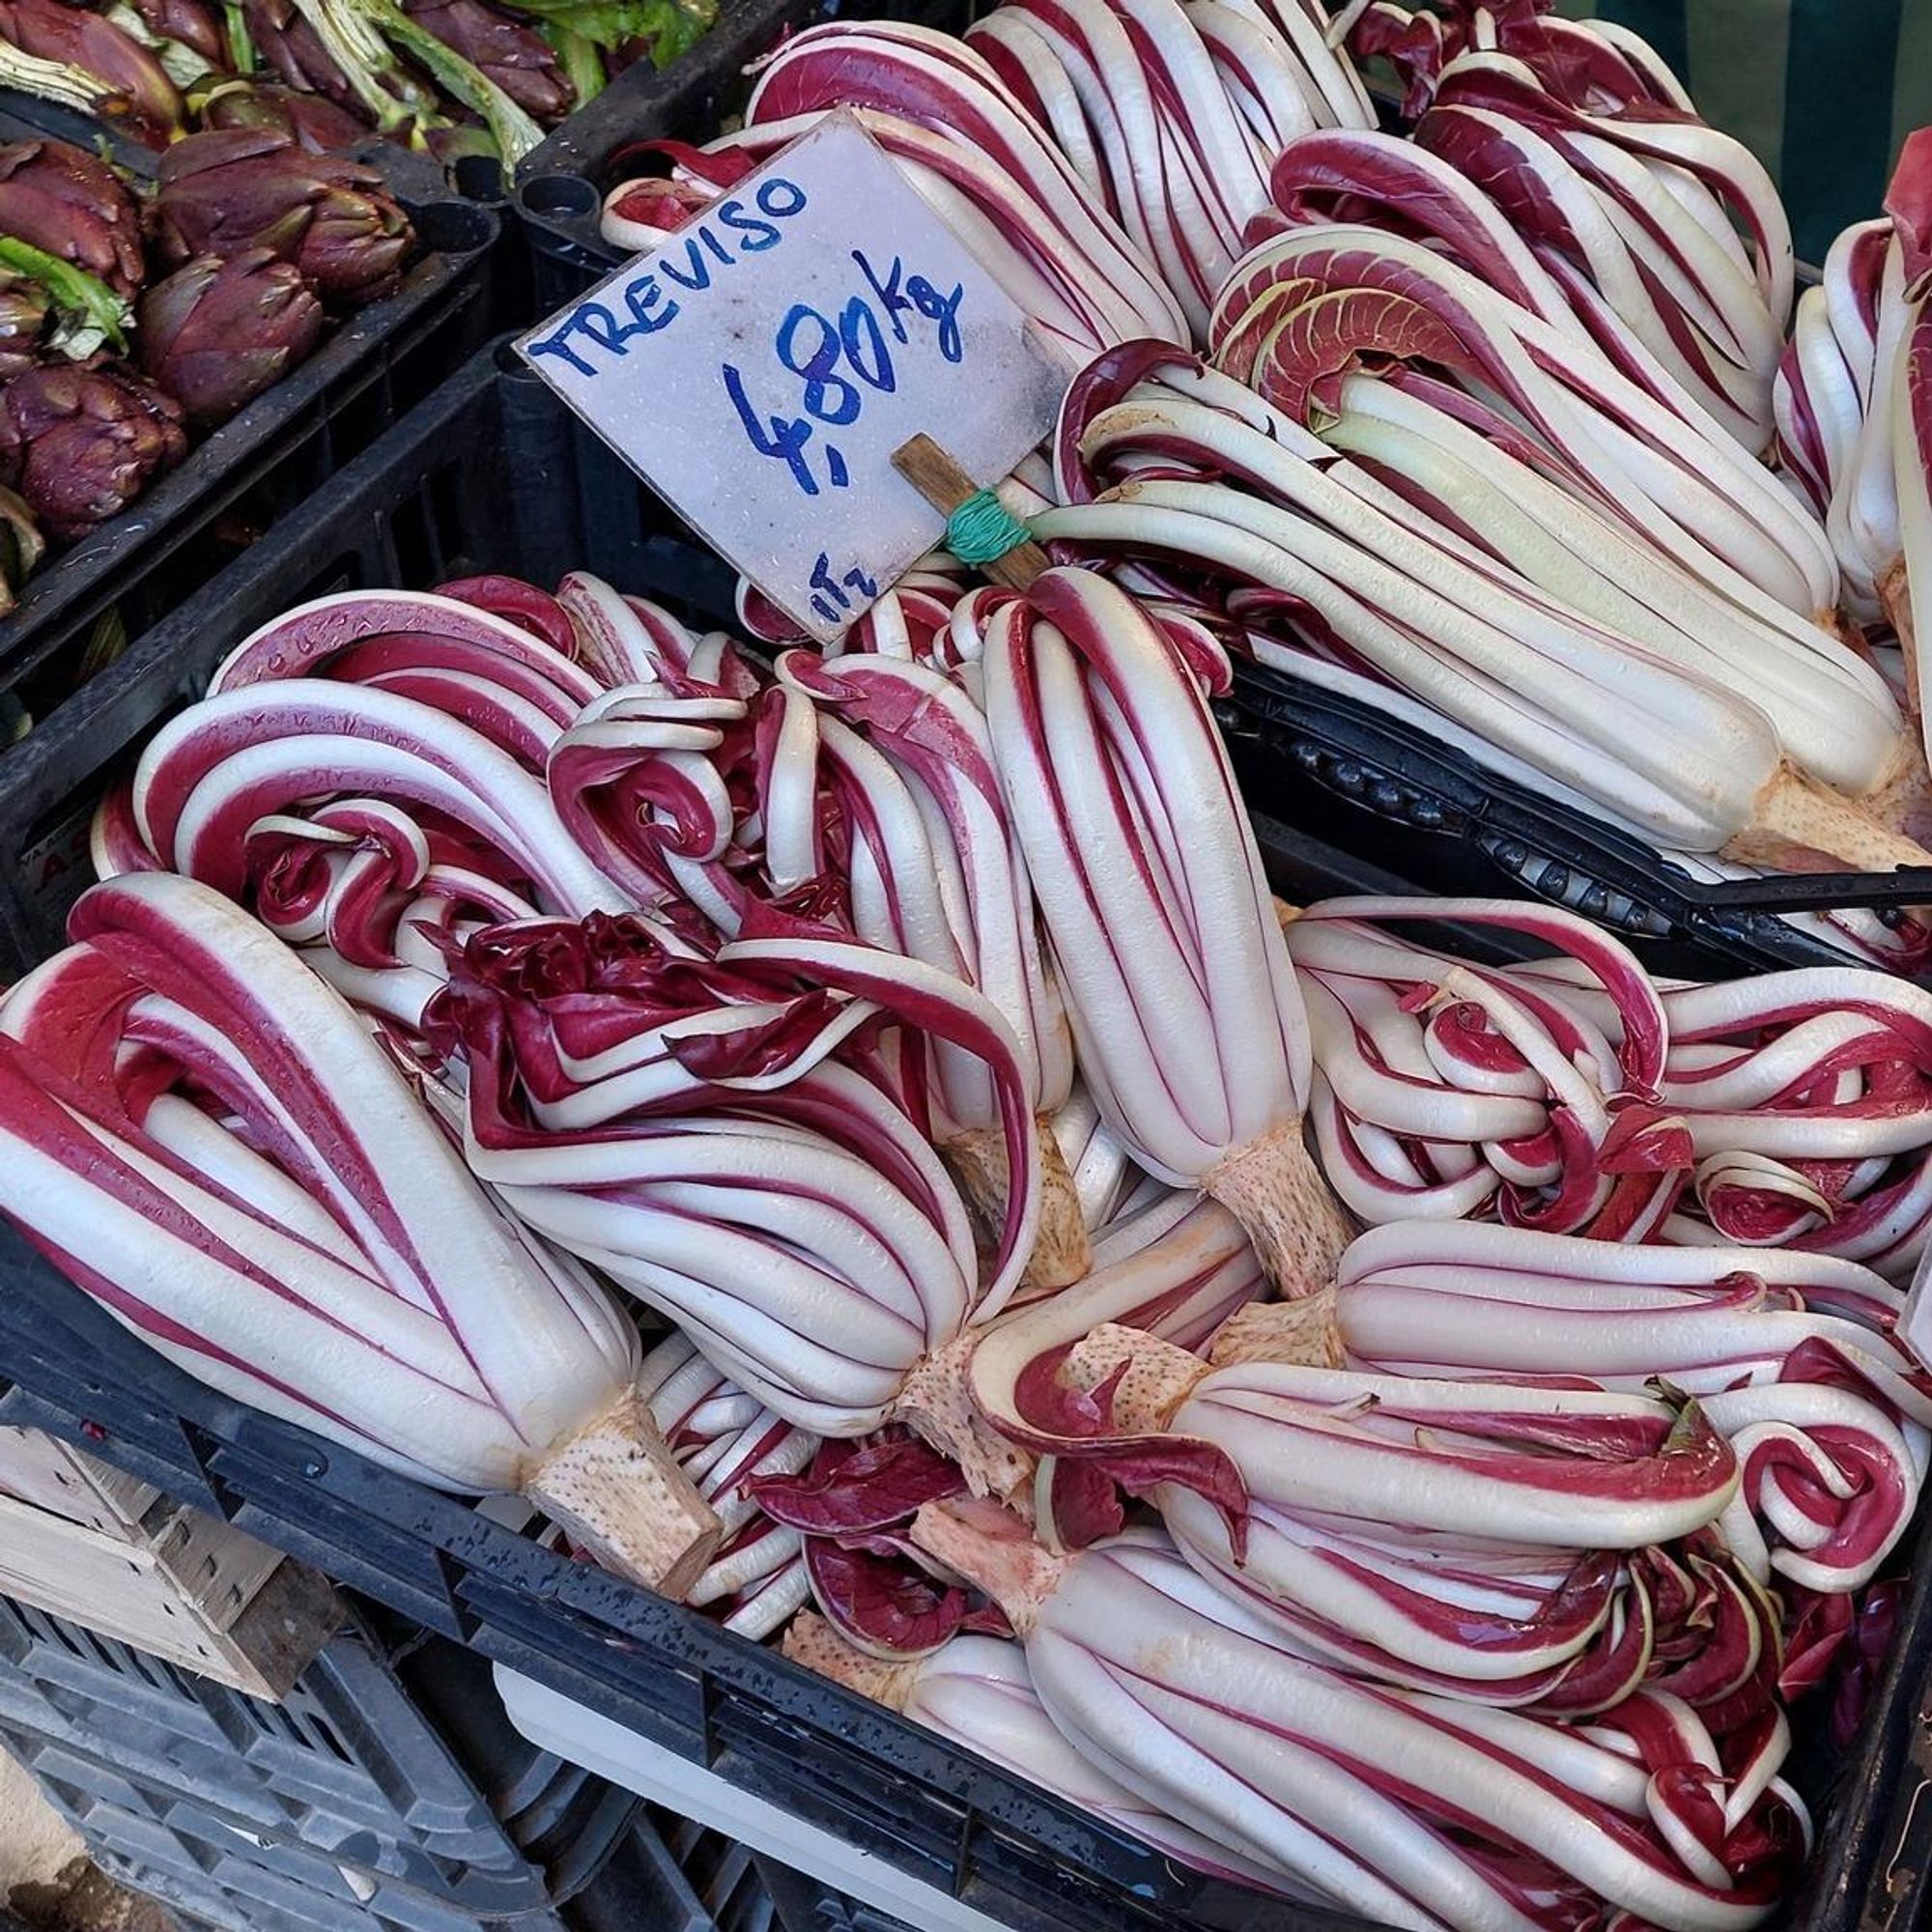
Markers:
point(760, 367)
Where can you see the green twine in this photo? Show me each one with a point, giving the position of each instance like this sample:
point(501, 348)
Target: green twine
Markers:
point(982, 530)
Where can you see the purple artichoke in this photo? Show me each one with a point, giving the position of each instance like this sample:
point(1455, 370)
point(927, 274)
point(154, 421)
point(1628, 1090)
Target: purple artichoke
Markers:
point(61, 199)
point(194, 24)
point(514, 56)
point(252, 187)
point(312, 121)
point(284, 39)
point(23, 318)
point(216, 334)
point(80, 443)
point(149, 105)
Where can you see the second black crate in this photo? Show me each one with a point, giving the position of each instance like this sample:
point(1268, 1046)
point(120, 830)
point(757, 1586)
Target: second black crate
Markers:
point(212, 1879)
point(391, 1754)
point(260, 466)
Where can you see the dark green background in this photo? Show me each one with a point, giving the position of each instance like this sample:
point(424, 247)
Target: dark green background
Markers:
point(1824, 89)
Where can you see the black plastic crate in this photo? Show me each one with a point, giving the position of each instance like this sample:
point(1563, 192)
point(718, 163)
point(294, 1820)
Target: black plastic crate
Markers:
point(212, 1879)
point(560, 185)
point(830, 1758)
point(495, 474)
point(392, 1755)
point(263, 463)
point(826, 1756)
point(28, 117)
point(665, 1873)
point(637, 1871)
point(1395, 791)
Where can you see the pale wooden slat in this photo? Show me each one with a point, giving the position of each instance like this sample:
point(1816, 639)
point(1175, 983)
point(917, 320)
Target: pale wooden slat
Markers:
point(53, 1475)
point(189, 1588)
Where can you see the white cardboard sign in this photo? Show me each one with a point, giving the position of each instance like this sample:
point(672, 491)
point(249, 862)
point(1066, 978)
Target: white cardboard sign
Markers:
point(761, 365)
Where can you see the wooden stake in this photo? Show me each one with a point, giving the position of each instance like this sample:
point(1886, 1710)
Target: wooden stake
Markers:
point(946, 485)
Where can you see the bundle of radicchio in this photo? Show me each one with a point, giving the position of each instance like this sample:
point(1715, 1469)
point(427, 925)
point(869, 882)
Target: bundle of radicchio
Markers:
point(975, 1690)
point(1575, 1095)
point(707, 1125)
point(1440, 561)
point(727, 1442)
point(1569, 226)
point(906, 775)
point(1229, 1725)
point(205, 1137)
point(1173, 1271)
point(1189, 1025)
point(1793, 1358)
point(1530, 1545)
point(966, 143)
point(1172, 113)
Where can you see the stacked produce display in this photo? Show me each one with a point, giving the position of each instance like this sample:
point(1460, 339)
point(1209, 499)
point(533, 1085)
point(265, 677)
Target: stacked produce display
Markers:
point(1395, 1401)
point(460, 78)
point(131, 322)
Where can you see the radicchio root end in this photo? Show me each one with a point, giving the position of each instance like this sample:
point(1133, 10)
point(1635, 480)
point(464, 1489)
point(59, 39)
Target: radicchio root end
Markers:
point(992, 1549)
point(1146, 1379)
point(1305, 1333)
point(1061, 1253)
point(617, 1488)
point(1276, 1189)
point(936, 1403)
point(1802, 826)
point(814, 1642)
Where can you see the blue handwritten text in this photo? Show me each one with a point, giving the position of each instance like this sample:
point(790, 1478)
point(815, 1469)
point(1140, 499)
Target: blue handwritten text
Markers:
point(643, 303)
point(835, 360)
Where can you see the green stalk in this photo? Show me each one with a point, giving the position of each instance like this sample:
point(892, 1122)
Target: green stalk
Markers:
point(91, 313)
point(513, 130)
point(581, 60)
point(670, 26)
point(241, 43)
point(693, 20)
point(57, 80)
point(365, 59)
